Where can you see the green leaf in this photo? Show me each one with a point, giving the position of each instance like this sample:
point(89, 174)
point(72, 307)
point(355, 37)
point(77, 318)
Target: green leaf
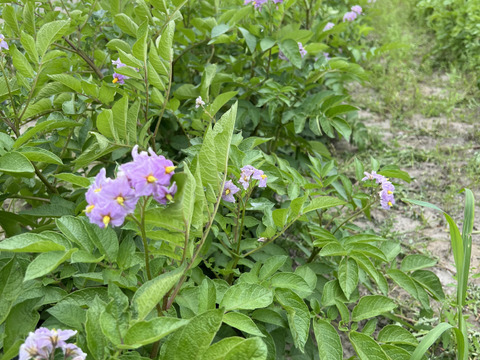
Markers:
point(247, 297)
point(46, 263)
point(73, 179)
point(404, 281)
point(297, 314)
point(126, 24)
point(339, 109)
point(417, 262)
point(322, 202)
point(271, 265)
point(29, 242)
point(249, 349)
point(49, 33)
point(193, 340)
point(371, 306)
point(165, 45)
point(429, 339)
point(28, 44)
point(398, 174)
point(120, 113)
point(21, 63)
point(267, 43)
point(95, 338)
point(139, 49)
point(218, 350)
point(291, 281)
point(242, 322)
point(10, 286)
point(280, 217)
point(10, 17)
point(290, 49)
point(366, 347)
point(45, 126)
point(16, 164)
point(219, 30)
point(40, 155)
point(395, 334)
point(105, 124)
point(249, 39)
point(74, 230)
point(342, 127)
point(348, 275)
point(328, 341)
point(153, 291)
point(395, 352)
point(147, 332)
point(69, 81)
point(430, 282)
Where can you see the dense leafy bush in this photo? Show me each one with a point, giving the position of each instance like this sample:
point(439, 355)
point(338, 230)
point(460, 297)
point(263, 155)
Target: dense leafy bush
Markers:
point(455, 25)
point(238, 245)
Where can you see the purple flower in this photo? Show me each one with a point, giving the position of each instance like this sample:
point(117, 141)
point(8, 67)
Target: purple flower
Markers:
point(147, 174)
point(329, 26)
point(326, 56)
point(357, 9)
point(73, 351)
point(94, 190)
point(374, 176)
point(3, 43)
point(119, 193)
point(119, 78)
point(106, 213)
point(41, 344)
point(386, 199)
point(349, 16)
point(303, 52)
point(259, 175)
point(277, 2)
point(118, 63)
point(282, 56)
point(165, 194)
point(245, 175)
point(229, 190)
point(199, 102)
point(257, 3)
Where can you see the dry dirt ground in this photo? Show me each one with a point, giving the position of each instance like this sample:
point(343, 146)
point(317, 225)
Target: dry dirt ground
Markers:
point(442, 155)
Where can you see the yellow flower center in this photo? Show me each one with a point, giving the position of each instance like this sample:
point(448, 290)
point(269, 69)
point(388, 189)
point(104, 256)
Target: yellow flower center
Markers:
point(390, 192)
point(169, 197)
point(227, 191)
point(390, 203)
point(120, 200)
point(264, 176)
point(89, 209)
point(115, 79)
point(97, 189)
point(169, 169)
point(106, 220)
point(151, 179)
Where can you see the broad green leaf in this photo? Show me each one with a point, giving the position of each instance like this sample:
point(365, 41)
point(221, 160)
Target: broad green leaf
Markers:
point(246, 297)
point(82, 256)
point(139, 49)
point(340, 109)
point(291, 281)
point(404, 281)
point(267, 43)
point(147, 332)
point(271, 265)
point(371, 306)
point(165, 44)
point(342, 127)
point(38, 154)
point(242, 322)
point(280, 217)
point(298, 316)
point(29, 242)
point(395, 352)
point(120, 113)
point(290, 49)
point(218, 350)
point(153, 291)
point(95, 338)
point(69, 81)
point(328, 341)
point(429, 339)
point(249, 39)
point(430, 282)
point(322, 202)
point(49, 33)
point(16, 164)
point(249, 349)
point(126, 24)
point(193, 340)
point(46, 262)
point(416, 262)
point(366, 264)
point(366, 347)
point(44, 126)
point(105, 124)
point(10, 18)
point(28, 44)
point(74, 230)
point(22, 319)
point(11, 276)
point(395, 334)
point(398, 174)
point(21, 63)
point(219, 30)
point(221, 100)
point(73, 179)
point(348, 275)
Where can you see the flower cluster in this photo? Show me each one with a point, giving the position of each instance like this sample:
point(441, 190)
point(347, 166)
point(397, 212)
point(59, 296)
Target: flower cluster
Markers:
point(119, 77)
point(386, 195)
point(352, 15)
point(247, 174)
point(199, 102)
point(3, 43)
point(301, 49)
point(41, 344)
point(111, 200)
